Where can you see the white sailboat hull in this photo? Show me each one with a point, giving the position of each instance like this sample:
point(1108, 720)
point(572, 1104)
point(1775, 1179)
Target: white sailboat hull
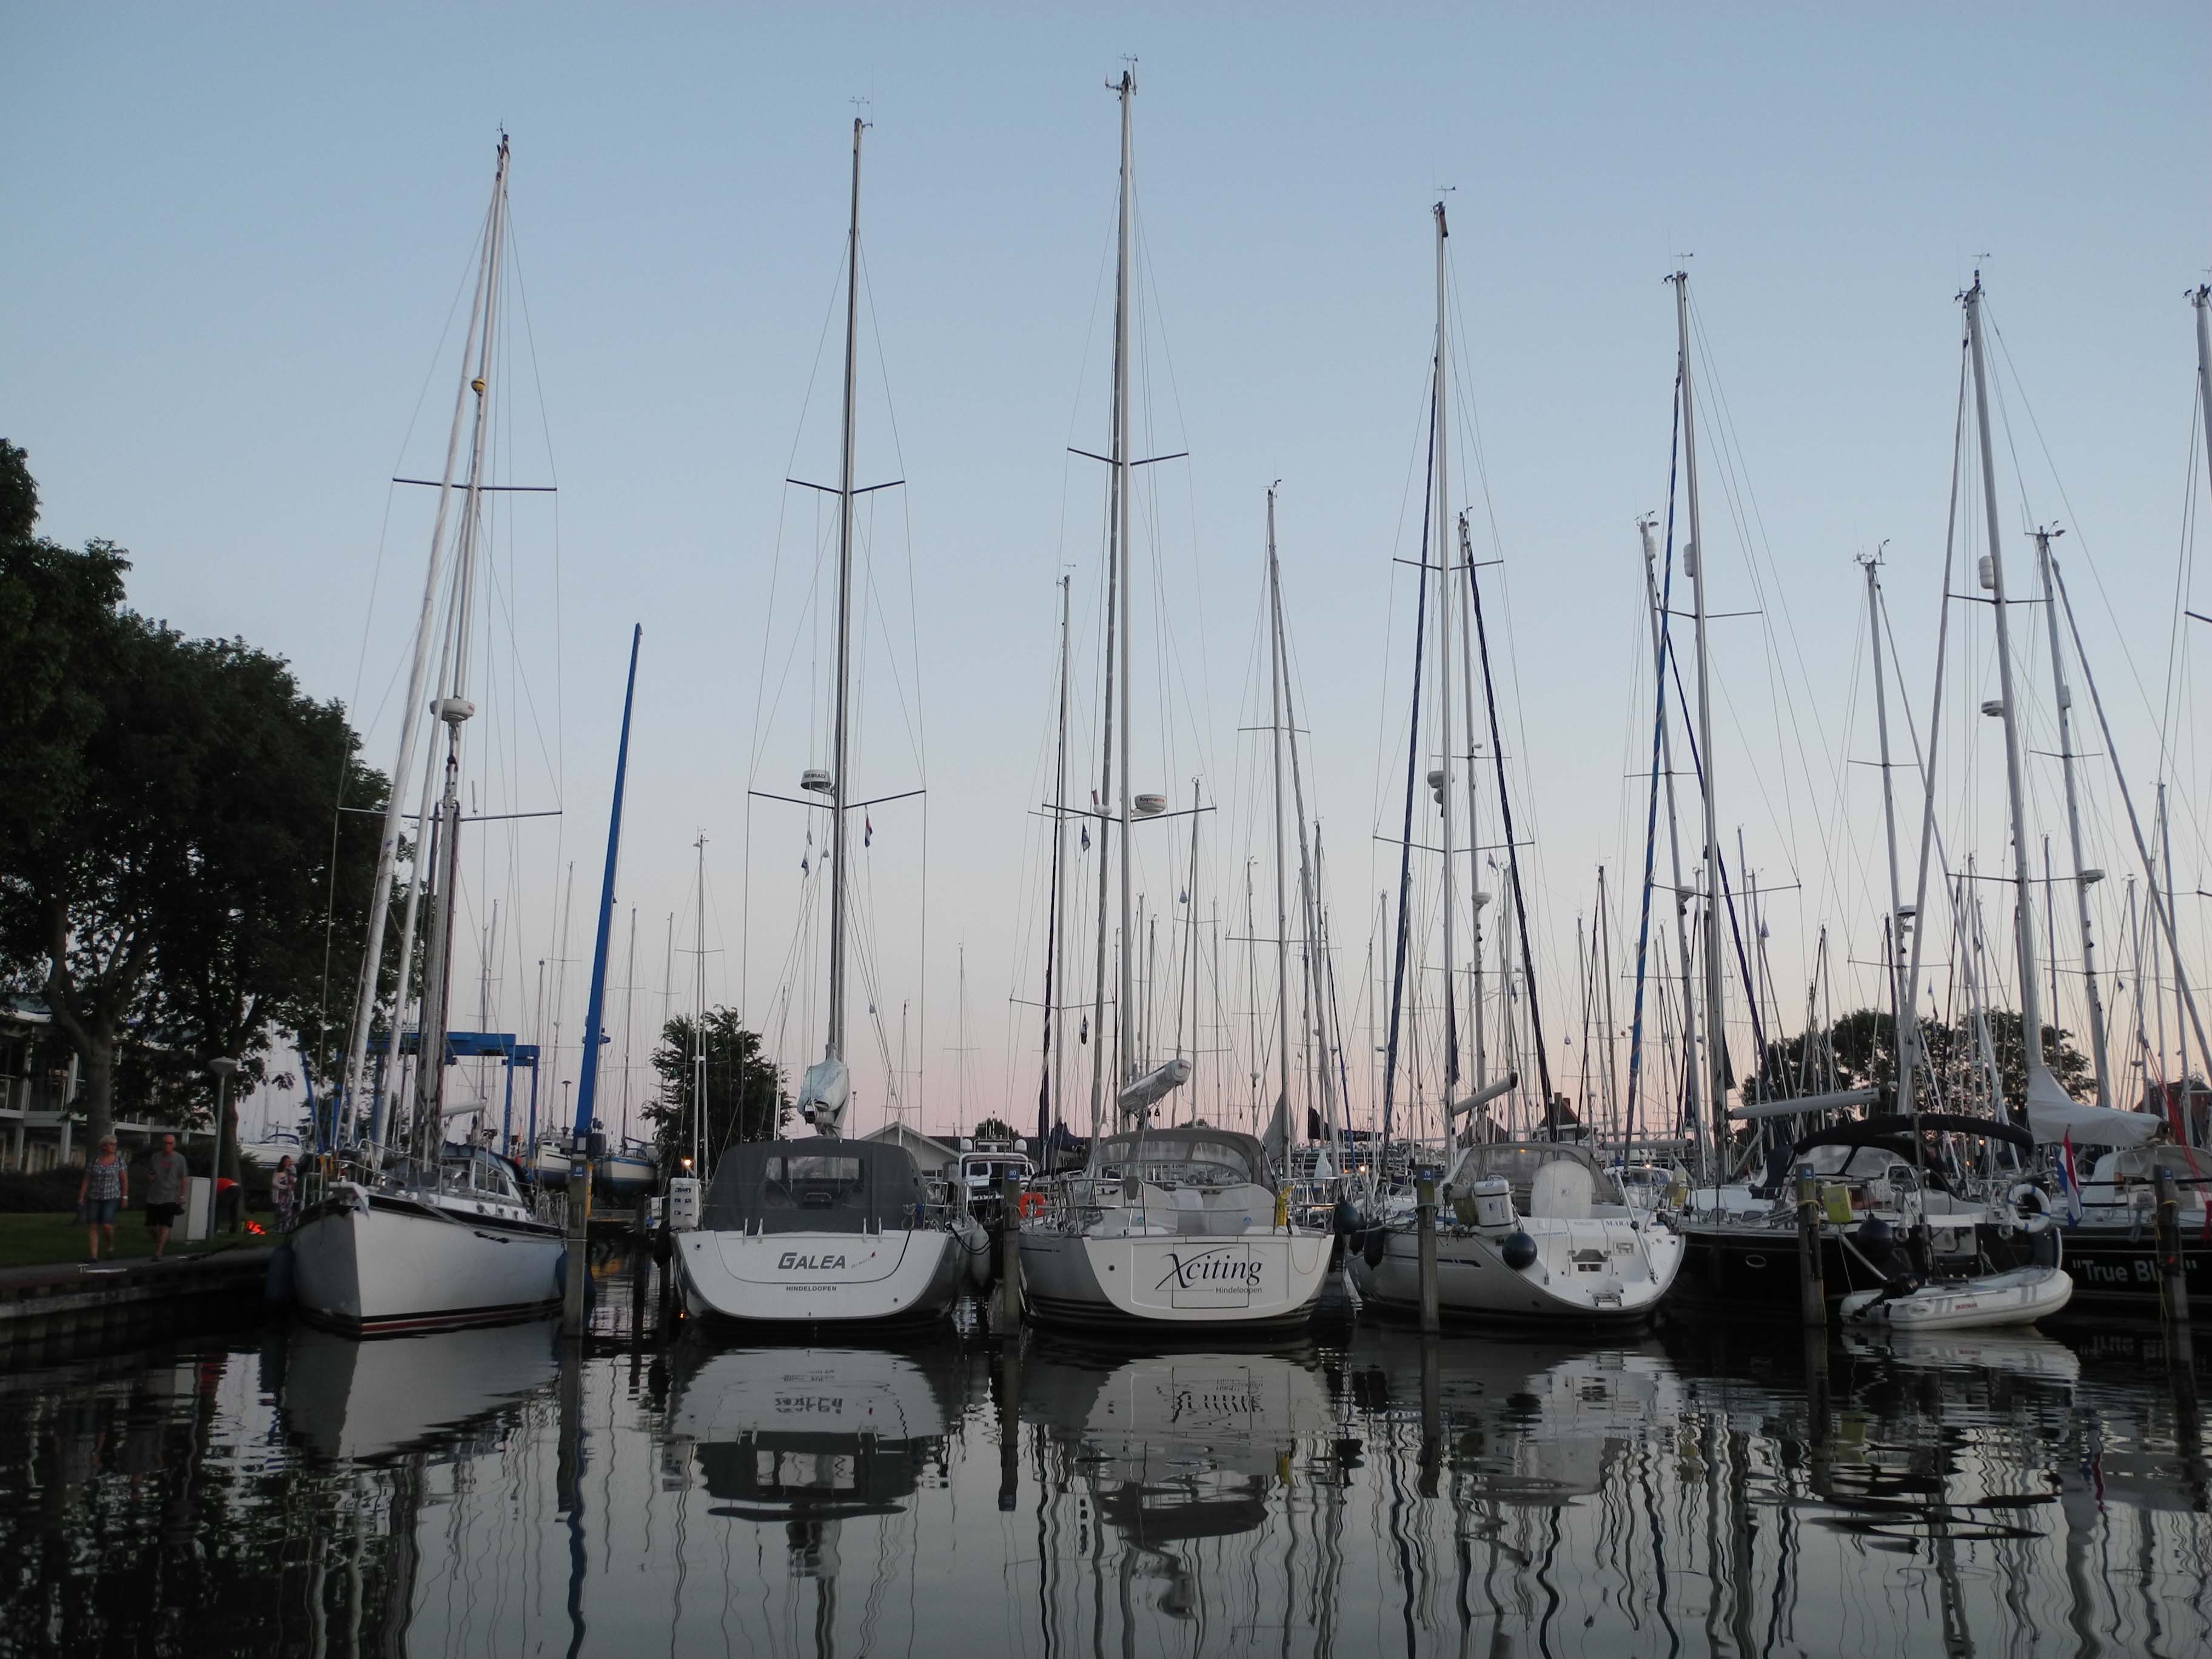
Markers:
point(1593, 1271)
point(891, 1276)
point(2018, 1298)
point(367, 1262)
point(1250, 1281)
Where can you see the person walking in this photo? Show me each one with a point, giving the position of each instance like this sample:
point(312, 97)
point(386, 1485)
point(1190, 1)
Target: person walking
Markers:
point(166, 1174)
point(284, 1193)
point(106, 1187)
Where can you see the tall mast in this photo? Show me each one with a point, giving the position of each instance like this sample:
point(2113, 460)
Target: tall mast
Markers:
point(1716, 1067)
point(1443, 546)
point(452, 709)
point(2031, 995)
point(1124, 1057)
point(395, 806)
point(1905, 1017)
point(1308, 864)
point(699, 1018)
point(1055, 947)
point(833, 1048)
point(2063, 695)
point(1282, 1117)
point(1693, 1078)
point(602, 933)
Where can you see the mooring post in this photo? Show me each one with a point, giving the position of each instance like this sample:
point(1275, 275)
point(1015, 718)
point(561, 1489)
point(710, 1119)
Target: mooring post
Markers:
point(1010, 1255)
point(1812, 1293)
point(2172, 1278)
point(641, 1264)
point(1425, 1197)
point(580, 1241)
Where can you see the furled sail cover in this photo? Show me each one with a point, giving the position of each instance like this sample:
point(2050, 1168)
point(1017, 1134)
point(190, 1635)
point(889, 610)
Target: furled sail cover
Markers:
point(2054, 1116)
point(822, 1096)
point(1155, 1085)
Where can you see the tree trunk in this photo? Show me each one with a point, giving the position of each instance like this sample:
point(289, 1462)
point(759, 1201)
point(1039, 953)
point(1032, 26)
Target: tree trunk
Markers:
point(232, 1164)
point(98, 1051)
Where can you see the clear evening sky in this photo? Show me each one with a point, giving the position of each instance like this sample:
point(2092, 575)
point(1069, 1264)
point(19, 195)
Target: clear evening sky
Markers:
point(236, 233)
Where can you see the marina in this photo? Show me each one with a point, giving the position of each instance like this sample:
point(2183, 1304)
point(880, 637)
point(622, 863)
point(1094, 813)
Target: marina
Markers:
point(1390, 835)
point(1358, 1489)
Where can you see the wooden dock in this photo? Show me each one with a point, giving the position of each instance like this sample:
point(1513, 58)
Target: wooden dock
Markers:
point(131, 1302)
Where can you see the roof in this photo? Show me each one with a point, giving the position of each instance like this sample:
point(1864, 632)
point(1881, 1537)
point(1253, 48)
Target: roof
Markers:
point(913, 1140)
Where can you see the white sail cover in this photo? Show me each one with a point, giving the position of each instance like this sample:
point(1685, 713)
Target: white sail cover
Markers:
point(1155, 1085)
point(822, 1096)
point(1483, 1096)
point(2054, 1116)
point(1797, 1105)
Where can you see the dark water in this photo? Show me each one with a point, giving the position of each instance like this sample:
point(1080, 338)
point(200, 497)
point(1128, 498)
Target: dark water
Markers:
point(1365, 1493)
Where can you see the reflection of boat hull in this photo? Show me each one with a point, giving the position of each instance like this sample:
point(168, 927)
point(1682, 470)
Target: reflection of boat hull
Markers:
point(808, 1434)
point(890, 1276)
point(1992, 1301)
point(1636, 1267)
point(359, 1400)
point(385, 1261)
point(1251, 1282)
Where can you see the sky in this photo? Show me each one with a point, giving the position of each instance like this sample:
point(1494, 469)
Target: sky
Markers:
point(241, 234)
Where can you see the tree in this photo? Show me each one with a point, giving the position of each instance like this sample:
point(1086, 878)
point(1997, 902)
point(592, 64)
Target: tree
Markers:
point(746, 1099)
point(1861, 1048)
point(166, 851)
point(996, 1128)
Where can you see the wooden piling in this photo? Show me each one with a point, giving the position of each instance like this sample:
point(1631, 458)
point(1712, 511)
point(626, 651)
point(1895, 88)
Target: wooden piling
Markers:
point(2172, 1278)
point(1424, 1194)
point(580, 1244)
point(1812, 1292)
point(1010, 1255)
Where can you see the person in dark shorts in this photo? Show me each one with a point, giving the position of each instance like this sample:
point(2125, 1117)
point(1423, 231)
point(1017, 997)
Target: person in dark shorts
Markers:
point(106, 1186)
point(166, 1172)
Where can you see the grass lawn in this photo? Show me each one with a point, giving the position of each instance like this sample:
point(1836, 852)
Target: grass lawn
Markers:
point(32, 1240)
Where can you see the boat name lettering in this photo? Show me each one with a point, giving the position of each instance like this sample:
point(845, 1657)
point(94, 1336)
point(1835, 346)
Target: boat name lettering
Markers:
point(1215, 1266)
point(791, 1259)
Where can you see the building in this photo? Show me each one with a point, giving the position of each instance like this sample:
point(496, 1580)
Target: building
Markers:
point(41, 1125)
point(935, 1157)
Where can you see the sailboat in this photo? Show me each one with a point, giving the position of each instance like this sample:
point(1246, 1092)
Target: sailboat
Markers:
point(825, 1231)
point(1537, 1231)
point(1183, 1227)
point(420, 1235)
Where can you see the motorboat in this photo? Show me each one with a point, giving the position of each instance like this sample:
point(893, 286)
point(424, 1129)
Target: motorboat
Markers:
point(1961, 1198)
point(402, 1253)
point(1529, 1232)
point(1175, 1228)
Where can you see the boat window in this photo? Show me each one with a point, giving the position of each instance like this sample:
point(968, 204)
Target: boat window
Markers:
point(1180, 1160)
point(776, 1188)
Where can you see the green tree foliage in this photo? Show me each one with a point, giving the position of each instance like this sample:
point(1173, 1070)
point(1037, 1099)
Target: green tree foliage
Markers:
point(167, 851)
point(996, 1128)
point(1860, 1051)
point(745, 1098)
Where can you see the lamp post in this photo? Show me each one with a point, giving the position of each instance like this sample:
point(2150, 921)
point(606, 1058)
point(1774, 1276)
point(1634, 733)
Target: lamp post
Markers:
point(224, 1068)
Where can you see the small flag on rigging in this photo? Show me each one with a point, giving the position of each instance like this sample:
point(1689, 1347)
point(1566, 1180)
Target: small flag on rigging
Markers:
point(868, 830)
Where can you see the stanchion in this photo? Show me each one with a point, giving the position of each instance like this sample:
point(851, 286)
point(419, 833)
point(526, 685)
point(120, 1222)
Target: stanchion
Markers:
point(1425, 1199)
point(1812, 1292)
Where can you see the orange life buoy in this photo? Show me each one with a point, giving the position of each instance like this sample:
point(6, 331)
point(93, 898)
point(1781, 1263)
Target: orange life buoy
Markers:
point(1030, 1203)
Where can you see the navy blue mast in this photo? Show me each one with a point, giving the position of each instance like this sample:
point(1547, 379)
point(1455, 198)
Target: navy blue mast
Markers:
point(587, 1091)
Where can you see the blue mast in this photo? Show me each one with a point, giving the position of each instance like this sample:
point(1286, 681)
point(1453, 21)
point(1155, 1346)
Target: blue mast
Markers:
point(587, 1090)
